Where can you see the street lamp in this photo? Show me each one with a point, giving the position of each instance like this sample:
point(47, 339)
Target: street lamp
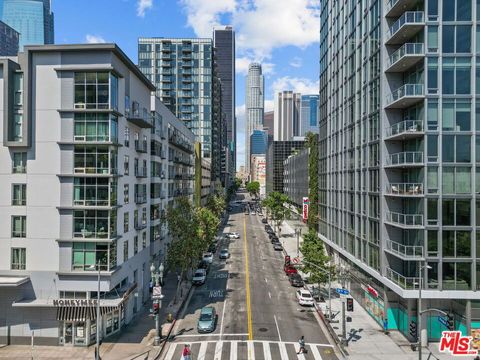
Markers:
point(158, 277)
point(97, 339)
point(419, 329)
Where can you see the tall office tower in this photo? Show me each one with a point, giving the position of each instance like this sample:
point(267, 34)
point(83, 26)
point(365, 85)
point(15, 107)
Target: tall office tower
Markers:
point(219, 133)
point(33, 19)
point(286, 121)
point(254, 105)
point(181, 69)
point(224, 44)
point(82, 172)
point(398, 153)
point(308, 114)
point(268, 122)
point(9, 39)
point(277, 153)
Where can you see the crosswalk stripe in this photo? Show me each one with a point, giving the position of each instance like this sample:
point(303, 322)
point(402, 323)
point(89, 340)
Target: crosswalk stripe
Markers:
point(300, 356)
point(218, 350)
point(251, 350)
point(171, 350)
point(315, 352)
point(266, 351)
point(233, 350)
point(283, 351)
point(203, 351)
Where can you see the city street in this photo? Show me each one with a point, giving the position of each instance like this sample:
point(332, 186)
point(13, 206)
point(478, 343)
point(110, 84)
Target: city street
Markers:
point(258, 314)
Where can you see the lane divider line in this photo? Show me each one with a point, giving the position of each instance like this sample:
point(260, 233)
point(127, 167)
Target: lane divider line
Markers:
point(247, 282)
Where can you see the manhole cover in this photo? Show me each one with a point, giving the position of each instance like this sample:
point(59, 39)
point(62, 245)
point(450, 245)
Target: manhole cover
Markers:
point(263, 329)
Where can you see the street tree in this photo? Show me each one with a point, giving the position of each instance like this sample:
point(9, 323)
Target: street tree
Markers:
point(314, 252)
point(206, 227)
point(253, 188)
point(312, 144)
point(275, 203)
point(216, 204)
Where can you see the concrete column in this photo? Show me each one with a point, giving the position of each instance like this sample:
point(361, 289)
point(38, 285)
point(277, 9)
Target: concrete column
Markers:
point(468, 316)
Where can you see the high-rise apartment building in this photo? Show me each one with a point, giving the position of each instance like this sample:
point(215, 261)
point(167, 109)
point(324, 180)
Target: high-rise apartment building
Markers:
point(32, 19)
point(308, 114)
point(399, 181)
point(181, 70)
point(83, 164)
point(224, 59)
point(9, 39)
point(254, 105)
point(286, 122)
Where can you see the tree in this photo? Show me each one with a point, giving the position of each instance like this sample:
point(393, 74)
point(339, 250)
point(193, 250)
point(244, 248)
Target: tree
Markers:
point(253, 188)
point(314, 252)
point(274, 203)
point(312, 144)
point(216, 204)
point(206, 227)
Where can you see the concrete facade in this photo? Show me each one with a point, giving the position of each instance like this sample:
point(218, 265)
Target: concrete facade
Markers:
point(286, 121)
point(296, 176)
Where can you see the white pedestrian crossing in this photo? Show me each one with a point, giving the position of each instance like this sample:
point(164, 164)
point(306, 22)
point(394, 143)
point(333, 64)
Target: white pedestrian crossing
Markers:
point(255, 350)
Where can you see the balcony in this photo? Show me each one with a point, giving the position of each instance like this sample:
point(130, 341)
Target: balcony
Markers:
point(141, 146)
point(140, 225)
point(405, 57)
point(405, 96)
point(403, 130)
point(187, 64)
point(395, 8)
point(407, 26)
point(167, 79)
point(414, 221)
point(407, 283)
point(140, 199)
point(405, 159)
point(135, 117)
point(405, 252)
point(405, 189)
point(187, 48)
point(163, 194)
point(141, 172)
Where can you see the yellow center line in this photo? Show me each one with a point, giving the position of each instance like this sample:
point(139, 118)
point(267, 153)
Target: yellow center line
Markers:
point(247, 281)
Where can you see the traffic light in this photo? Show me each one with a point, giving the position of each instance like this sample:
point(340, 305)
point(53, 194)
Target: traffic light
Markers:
point(349, 304)
point(450, 322)
point(156, 307)
point(413, 330)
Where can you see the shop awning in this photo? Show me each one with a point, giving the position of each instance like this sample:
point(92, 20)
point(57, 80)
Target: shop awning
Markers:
point(82, 313)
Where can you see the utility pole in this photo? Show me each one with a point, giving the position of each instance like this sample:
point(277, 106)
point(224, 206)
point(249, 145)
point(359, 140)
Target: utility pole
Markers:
point(344, 321)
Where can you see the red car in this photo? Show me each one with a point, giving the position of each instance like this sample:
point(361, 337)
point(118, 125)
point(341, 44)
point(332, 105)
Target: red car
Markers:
point(289, 269)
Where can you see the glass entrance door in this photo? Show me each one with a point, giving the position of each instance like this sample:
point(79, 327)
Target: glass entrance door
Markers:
point(68, 333)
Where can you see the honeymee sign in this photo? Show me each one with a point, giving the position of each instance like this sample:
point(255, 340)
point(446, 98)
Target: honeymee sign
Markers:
point(72, 302)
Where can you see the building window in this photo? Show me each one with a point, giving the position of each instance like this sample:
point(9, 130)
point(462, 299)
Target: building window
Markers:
point(16, 134)
point(95, 192)
point(19, 162)
point(19, 226)
point(125, 222)
point(135, 244)
point(126, 190)
point(87, 255)
point(92, 90)
point(19, 194)
point(144, 240)
point(456, 212)
point(127, 136)
point(125, 251)
point(456, 75)
point(98, 127)
point(126, 165)
point(97, 224)
point(144, 216)
point(19, 259)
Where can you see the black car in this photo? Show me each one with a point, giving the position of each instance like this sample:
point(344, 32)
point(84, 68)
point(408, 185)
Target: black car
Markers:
point(204, 265)
point(264, 220)
point(295, 280)
point(276, 242)
point(271, 235)
point(212, 248)
point(267, 227)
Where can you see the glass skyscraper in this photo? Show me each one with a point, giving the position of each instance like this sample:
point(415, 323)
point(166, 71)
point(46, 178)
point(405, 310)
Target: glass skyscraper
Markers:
point(33, 19)
point(258, 142)
point(399, 156)
point(308, 114)
point(181, 69)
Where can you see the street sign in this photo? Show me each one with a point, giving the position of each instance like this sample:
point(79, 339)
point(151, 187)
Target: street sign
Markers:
point(296, 260)
point(157, 292)
point(443, 321)
point(342, 291)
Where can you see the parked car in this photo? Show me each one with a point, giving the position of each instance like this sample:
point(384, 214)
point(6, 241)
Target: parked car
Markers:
point(295, 280)
point(304, 297)
point(289, 269)
point(233, 235)
point(204, 265)
point(274, 240)
point(264, 221)
point(224, 254)
point(199, 277)
point(212, 248)
point(208, 257)
point(277, 246)
point(207, 320)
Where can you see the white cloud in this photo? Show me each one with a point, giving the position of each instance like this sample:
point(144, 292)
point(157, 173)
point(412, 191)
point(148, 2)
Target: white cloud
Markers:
point(241, 65)
point(301, 85)
point(296, 62)
point(94, 39)
point(142, 6)
point(268, 105)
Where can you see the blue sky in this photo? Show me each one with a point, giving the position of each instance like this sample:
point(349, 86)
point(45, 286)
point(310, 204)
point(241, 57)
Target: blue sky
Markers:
point(281, 34)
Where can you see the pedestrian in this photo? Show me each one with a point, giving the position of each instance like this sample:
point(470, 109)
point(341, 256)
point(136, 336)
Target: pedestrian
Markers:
point(301, 342)
point(385, 326)
point(186, 352)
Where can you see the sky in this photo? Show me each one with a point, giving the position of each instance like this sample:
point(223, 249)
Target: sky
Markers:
point(283, 35)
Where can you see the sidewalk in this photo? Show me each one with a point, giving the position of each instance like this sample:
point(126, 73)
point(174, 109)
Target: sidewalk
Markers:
point(136, 337)
point(366, 339)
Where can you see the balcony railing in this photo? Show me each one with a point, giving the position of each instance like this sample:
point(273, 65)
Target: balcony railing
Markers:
point(95, 170)
point(405, 251)
point(406, 127)
point(140, 225)
point(140, 198)
point(141, 172)
point(408, 17)
point(93, 202)
point(410, 283)
point(405, 51)
point(407, 90)
point(141, 146)
point(404, 220)
point(405, 189)
point(93, 233)
point(405, 158)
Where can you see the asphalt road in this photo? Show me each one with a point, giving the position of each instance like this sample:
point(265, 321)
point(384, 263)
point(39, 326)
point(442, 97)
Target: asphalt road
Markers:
point(258, 315)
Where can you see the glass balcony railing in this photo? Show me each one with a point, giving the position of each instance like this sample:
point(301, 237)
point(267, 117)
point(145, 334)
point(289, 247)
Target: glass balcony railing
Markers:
point(405, 127)
point(408, 17)
point(140, 198)
point(405, 251)
point(406, 220)
point(141, 172)
point(408, 283)
point(405, 91)
point(141, 146)
point(405, 189)
point(405, 50)
point(405, 158)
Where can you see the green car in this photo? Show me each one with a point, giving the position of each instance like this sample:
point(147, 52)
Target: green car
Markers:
point(207, 320)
